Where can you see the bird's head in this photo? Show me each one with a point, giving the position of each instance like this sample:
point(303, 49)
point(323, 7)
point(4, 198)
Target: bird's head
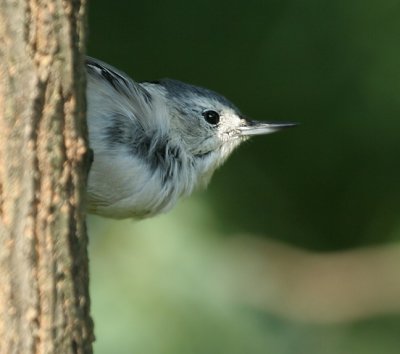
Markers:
point(207, 123)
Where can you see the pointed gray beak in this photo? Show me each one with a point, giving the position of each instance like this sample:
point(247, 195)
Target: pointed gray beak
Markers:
point(253, 127)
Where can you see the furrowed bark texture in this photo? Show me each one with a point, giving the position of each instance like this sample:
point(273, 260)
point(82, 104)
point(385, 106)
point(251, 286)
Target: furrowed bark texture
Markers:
point(44, 299)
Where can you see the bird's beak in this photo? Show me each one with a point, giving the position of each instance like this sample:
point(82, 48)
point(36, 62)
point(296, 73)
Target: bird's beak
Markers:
point(253, 127)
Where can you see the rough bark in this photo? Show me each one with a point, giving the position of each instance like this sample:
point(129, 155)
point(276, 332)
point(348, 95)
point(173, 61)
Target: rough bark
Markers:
point(44, 299)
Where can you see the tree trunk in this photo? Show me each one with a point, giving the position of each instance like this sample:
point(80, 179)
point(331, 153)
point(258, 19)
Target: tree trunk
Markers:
point(44, 299)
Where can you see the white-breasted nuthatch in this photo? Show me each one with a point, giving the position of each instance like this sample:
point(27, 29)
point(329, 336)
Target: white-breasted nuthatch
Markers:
point(156, 141)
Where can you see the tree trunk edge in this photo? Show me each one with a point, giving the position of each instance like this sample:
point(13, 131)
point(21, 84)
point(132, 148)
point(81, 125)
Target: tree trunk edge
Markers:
point(44, 269)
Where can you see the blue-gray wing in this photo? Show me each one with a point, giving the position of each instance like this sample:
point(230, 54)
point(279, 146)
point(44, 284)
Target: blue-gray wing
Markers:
point(117, 79)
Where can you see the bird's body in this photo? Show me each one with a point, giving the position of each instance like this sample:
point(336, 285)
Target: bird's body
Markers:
point(154, 142)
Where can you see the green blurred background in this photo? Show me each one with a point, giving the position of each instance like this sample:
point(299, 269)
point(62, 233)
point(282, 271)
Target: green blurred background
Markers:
point(330, 184)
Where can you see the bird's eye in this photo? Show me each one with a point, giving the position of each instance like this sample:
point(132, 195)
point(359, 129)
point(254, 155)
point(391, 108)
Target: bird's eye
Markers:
point(211, 117)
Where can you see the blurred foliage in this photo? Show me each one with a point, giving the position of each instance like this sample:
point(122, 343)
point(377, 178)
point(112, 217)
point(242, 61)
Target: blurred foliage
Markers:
point(331, 183)
point(333, 66)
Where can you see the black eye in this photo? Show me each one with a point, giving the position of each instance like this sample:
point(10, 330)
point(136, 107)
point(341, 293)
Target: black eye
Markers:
point(211, 117)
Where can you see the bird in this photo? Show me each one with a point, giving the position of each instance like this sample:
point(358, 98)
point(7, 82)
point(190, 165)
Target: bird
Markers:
point(154, 142)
